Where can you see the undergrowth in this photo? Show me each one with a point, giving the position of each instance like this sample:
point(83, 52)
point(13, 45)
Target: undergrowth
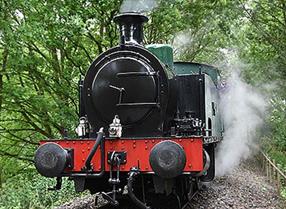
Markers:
point(30, 191)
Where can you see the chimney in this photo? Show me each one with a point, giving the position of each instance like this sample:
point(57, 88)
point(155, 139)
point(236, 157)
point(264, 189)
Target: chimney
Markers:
point(131, 27)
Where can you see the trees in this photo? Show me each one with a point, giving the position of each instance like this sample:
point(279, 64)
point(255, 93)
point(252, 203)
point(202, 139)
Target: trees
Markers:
point(266, 35)
point(197, 29)
point(266, 51)
point(45, 46)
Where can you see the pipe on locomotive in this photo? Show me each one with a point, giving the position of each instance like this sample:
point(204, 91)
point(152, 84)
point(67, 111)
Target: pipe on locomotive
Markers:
point(102, 166)
point(207, 163)
point(99, 139)
point(133, 173)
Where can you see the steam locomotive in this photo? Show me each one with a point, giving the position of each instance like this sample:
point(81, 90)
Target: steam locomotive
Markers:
point(148, 126)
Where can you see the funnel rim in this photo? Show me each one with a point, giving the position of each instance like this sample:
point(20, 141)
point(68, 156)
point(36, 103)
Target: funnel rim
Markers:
point(124, 16)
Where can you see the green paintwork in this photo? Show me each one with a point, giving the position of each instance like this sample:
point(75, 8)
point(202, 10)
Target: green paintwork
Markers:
point(163, 52)
point(185, 68)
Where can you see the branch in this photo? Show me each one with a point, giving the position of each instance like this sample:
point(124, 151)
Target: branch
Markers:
point(36, 49)
point(37, 128)
point(4, 66)
point(18, 129)
point(3, 153)
point(283, 4)
point(98, 43)
point(267, 36)
point(82, 47)
point(272, 15)
point(19, 138)
point(72, 61)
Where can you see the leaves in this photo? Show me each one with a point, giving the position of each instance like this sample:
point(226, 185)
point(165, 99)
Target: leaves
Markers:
point(31, 191)
point(45, 46)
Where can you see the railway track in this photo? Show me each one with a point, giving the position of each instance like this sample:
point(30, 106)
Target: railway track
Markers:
point(126, 203)
point(246, 187)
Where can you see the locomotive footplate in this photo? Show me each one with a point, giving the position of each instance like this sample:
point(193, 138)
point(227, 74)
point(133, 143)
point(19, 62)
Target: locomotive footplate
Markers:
point(133, 151)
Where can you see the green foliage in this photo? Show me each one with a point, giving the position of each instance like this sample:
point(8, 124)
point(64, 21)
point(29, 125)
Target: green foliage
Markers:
point(283, 192)
point(278, 124)
point(274, 151)
point(264, 48)
point(44, 49)
point(30, 190)
point(198, 29)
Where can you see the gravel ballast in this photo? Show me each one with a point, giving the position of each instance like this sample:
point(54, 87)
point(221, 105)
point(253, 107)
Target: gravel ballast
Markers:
point(244, 188)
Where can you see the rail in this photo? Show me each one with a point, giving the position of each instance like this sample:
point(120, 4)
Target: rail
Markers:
point(273, 172)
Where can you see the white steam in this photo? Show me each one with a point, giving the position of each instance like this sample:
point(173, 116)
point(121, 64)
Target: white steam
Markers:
point(182, 42)
point(243, 110)
point(188, 43)
point(138, 5)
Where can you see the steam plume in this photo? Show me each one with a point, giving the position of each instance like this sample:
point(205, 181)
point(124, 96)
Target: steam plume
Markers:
point(138, 5)
point(243, 109)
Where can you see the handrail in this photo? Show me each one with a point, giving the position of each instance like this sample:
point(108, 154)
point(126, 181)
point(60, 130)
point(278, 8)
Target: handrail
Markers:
point(277, 169)
point(273, 173)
